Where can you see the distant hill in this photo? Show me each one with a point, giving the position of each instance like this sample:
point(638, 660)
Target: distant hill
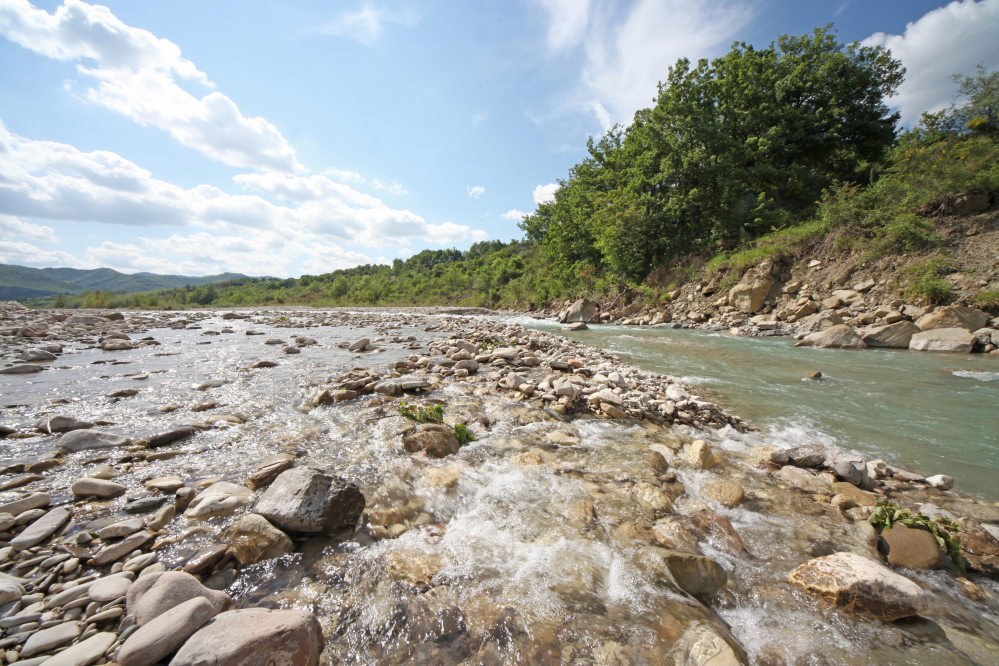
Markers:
point(24, 282)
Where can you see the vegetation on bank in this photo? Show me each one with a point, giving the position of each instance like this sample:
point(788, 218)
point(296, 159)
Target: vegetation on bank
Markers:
point(760, 153)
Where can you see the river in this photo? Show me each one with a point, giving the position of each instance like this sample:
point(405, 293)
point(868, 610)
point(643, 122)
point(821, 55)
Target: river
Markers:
point(933, 413)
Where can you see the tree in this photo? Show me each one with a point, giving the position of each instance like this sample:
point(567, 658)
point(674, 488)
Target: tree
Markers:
point(981, 112)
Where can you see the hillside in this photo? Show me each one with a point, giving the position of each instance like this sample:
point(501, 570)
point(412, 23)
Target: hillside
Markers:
point(20, 282)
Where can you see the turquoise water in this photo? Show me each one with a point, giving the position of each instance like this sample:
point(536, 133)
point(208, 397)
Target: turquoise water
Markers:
point(933, 413)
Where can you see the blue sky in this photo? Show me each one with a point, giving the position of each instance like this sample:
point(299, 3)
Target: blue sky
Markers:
point(284, 138)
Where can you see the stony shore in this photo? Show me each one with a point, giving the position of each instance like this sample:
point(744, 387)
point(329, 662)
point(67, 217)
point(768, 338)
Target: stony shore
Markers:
point(601, 515)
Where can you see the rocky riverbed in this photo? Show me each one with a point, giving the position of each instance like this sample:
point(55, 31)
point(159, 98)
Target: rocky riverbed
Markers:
point(241, 487)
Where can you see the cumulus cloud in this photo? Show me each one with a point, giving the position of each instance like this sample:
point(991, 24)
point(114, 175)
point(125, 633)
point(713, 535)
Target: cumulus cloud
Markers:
point(26, 254)
point(367, 24)
point(478, 235)
point(137, 76)
point(625, 54)
point(343, 176)
point(11, 226)
point(514, 214)
point(405, 252)
point(946, 41)
point(55, 181)
point(545, 193)
point(476, 191)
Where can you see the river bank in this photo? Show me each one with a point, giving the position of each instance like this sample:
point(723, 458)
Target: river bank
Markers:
point(602, 515)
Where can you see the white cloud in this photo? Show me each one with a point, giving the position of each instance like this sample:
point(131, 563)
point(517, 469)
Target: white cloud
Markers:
point(569, 19)
point(54, 181)
point(513, 214)
point(405, 252)
point(476, 191)
point(26, 254)
point(367, 25)
point(343, 176)
point(545, 193)
point(625, 54)
point(136, 74)
point(478, 235)
point(391, 188)
point(946, 41)
point(11, 226)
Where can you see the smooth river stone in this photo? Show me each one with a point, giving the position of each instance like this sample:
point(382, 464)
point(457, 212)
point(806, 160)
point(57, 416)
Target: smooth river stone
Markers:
point(99, 487)
point(86, 652)
point(123, 528)
point(41, 529)
point(166, 633)
point(121, 549)
point(109, 589)
point(49, 639)
point(33, 501)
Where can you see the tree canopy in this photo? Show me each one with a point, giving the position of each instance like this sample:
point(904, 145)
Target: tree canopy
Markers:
point(731, 149)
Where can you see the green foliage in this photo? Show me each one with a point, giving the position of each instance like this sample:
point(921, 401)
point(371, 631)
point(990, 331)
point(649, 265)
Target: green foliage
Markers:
point(731, 149)
point(987, 299)
point(979, 114)
point(944, 530)
point(435, 414)
point(925, 279)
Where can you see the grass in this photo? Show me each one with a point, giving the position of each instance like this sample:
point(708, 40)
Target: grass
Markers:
point(987, 299)
point(924, 280)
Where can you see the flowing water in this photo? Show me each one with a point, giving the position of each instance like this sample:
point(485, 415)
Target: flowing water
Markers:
point(518, 551)
point(933, 413)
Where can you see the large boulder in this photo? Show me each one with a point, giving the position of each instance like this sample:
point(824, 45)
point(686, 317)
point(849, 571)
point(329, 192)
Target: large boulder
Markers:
point(895, 336)
point(953, 316)
point(163, 635)
point(816, 323)
point(437, 440)
point(750, 295)
point(154, 594)
point(857, 583)
point(582, 310)
point(255, 637)
point(303, 500)
point(253, 540)
point(836, 337)
point(943, 340)
point(910, 548)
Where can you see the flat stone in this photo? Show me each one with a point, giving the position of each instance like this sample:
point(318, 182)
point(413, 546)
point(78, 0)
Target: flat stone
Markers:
point(911, 548)
point(49, 639)
point(953, 317)
point(119, 550)
point(840, 336)
point(32, 501)
point(88, 486)
point(803, 480)
point(166, 484)
point(80, 440)
point(109, 588)
point(22, 369)
point(85, 652)
point(268, 470)
point(120, 529)
point(166, 633)
point(255, 637)
point(857, 496)
point(54, 424)
point(957, 340)
point(893, 336)
point(856, 583)
point(41, 529)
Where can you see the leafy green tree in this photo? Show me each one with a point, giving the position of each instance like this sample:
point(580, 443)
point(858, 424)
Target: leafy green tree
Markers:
point(981, 112)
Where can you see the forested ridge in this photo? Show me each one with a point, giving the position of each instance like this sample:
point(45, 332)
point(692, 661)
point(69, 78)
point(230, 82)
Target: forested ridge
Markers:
point(749, 155)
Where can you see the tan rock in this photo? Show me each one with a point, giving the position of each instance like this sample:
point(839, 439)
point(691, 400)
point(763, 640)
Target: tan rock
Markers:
point(727, 492)
point(700, 455)
point(253, 540)
point(953, 316)
point(749, 297)
point(910, 548)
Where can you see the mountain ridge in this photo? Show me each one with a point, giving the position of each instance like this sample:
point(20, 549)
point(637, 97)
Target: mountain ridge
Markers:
point(18, 282)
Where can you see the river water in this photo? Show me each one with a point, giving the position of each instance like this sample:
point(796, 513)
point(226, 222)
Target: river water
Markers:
point(933, 413)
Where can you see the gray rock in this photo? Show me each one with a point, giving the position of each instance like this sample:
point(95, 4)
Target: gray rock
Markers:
point(164, 634)
point(85, 652)
point(359, 345)
point(269, 469)
point(894, 336)
point(840, 336)
point(152, 595)
point(38, 355)
point(695, 574)
point(119, 550)
point(23, 369)
point(51, 638)
point(304, 501)
point(79, 440)
point(41, 529)
point(577, 326)
point(53, 424)
point(850, 468)
point(255, 637)
point(581, 311)
point(109, 588)
point(943, 340)
point(11, 589)
point(32, 501)
point(97, 487)
point(468, 364)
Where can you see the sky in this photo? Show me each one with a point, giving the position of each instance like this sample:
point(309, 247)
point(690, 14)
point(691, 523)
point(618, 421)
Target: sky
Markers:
point(282, 138)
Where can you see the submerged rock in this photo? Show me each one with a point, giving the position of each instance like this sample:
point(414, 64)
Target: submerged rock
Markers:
point(437, 440)
point(910, 547)
point(856, 583)
point(253, 539)
point(695, 574)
